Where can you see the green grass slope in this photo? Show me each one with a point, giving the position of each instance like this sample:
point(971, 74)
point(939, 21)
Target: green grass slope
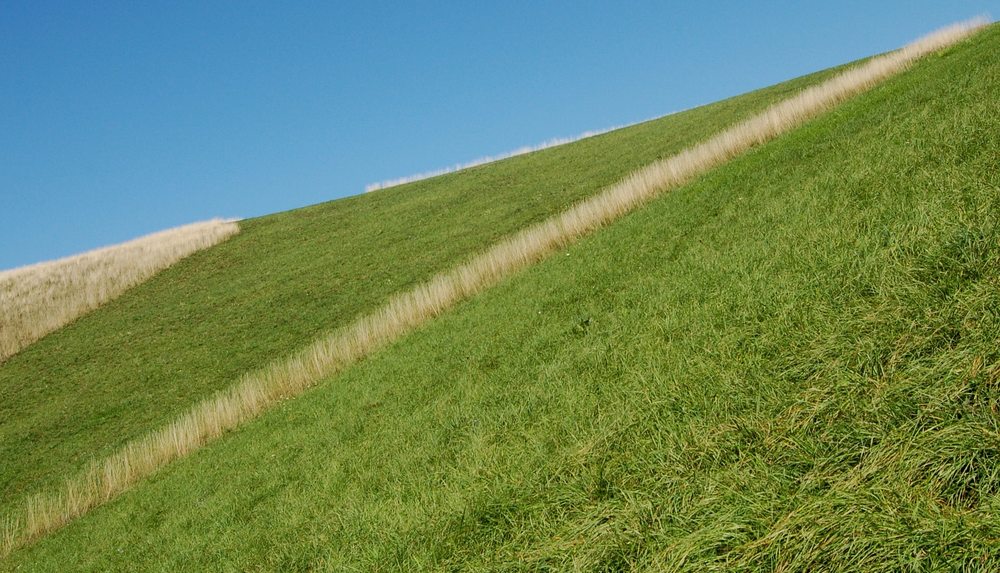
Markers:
point(790, 364)
point(134, 364)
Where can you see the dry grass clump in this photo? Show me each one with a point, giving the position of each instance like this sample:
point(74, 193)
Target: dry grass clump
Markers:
point(37, 299)
point(291, 376)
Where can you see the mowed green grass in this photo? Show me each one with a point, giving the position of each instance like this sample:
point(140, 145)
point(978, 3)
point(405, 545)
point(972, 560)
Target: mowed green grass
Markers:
point(135, 364)
point(790, 364)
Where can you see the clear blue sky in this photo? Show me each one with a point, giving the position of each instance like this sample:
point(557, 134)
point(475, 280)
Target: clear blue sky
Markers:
point(118, 119)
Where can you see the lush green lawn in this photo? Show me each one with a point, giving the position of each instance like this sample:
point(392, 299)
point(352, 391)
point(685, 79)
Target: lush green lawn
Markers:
point(790, 364)
point(136, 363)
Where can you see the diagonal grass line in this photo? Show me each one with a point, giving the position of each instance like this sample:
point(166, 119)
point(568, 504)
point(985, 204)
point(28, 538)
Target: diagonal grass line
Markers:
point(289, 377)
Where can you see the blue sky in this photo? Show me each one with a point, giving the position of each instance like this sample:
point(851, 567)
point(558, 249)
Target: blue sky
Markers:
point(118, 119)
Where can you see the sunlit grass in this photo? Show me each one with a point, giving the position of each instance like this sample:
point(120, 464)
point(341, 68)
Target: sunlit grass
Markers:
point(409, 310)
point(85, 391)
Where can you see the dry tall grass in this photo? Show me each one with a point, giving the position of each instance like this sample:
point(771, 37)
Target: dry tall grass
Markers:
point(37, 299)
point(292, 376)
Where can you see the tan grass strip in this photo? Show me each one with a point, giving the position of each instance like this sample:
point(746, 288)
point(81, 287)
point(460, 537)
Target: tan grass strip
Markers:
point(283, 379)
point(38, 299)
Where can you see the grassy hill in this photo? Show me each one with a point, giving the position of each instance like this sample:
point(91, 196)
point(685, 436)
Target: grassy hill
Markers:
point(83, 391)
point(790, 363)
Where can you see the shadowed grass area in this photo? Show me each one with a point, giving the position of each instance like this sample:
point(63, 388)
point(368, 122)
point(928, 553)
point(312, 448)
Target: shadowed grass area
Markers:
point(789, 364)
point(83, 391)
